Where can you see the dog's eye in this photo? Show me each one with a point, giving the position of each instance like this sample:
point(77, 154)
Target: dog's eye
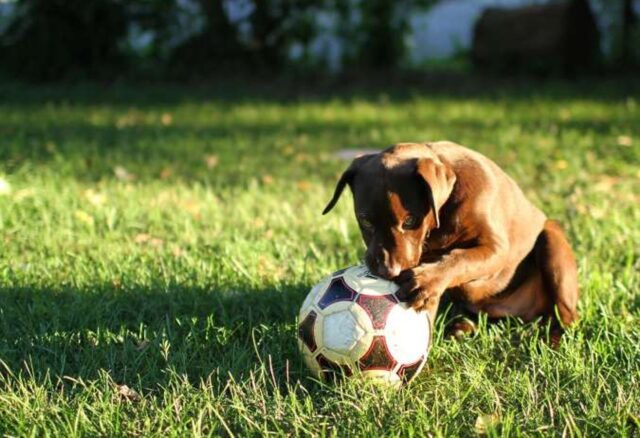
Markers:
point(410, 223)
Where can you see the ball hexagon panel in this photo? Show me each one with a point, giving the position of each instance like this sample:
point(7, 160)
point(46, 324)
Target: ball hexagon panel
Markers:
point(407, 333)
point(311, 296)
point(360, 279)
point(345, 331)
point(341, 332)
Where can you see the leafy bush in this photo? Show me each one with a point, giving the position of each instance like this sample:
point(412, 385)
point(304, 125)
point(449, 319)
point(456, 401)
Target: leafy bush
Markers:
point(52, 39)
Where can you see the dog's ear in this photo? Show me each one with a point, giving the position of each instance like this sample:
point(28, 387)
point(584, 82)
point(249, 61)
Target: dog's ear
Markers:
point(440, 178)
point(346, 178)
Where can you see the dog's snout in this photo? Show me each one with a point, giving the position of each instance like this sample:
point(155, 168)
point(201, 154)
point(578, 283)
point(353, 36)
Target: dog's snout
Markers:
point(384, 266)
point(393, 271)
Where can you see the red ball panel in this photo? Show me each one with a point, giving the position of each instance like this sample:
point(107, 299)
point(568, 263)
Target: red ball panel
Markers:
point(378, 308)
point(330, 368)
point(406, 372)
point(378, 356)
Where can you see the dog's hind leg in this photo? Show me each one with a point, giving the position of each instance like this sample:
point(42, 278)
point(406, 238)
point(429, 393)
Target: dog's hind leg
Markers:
point(557, 265)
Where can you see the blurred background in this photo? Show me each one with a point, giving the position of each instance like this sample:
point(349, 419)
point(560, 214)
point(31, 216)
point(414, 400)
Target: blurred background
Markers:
point(50, 40)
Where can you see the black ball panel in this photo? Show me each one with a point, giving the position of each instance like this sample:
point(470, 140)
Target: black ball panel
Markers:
point(305, 331)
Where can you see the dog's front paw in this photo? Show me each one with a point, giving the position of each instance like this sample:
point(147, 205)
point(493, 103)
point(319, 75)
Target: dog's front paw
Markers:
point(421, 286)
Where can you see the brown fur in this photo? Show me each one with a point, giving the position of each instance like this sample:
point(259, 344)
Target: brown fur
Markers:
point(440, 217)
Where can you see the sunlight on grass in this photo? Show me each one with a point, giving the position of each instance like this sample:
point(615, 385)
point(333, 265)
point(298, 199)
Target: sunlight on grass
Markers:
point(154, 255)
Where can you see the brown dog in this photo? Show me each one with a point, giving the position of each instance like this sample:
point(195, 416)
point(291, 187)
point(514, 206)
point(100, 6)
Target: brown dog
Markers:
point(440, 217)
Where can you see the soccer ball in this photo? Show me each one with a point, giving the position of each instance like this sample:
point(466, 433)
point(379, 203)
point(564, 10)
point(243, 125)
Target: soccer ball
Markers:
point(352, 323)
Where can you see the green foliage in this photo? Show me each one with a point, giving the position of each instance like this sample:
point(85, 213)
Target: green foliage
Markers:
point(260, 40)
point(52, 39)
point(157, 242)
point(379, 33)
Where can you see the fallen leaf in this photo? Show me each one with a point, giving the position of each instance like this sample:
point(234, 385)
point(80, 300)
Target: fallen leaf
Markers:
point(301, 157)
point(267, 268)
point(565, 114)
point(156, 242)
point(211, 161)
point(128, 394)
point(192, 207)
point(84, 217)
point(625, 140)
point(177, 251)
point(166, 173)
point(123, 174)
point(166, 119)
point(142, 238)
point(606, 183)
point(303, 185)
point(267, 179)
point(486, 422)
point(131, 118)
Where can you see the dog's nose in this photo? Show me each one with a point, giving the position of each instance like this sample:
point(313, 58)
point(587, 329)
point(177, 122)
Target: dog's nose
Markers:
point(387, 269)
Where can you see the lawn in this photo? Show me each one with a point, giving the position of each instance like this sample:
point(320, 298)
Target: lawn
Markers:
point(157, 242)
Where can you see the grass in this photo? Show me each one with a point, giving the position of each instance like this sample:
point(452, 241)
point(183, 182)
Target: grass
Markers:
point(157, 242)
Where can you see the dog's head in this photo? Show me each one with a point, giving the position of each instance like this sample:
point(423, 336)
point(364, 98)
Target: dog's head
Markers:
point(397, 195)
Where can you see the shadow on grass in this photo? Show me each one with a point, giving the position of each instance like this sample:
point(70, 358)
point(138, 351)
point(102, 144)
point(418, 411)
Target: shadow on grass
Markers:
point(91, 153)
point(141, 335)
point(290, 89)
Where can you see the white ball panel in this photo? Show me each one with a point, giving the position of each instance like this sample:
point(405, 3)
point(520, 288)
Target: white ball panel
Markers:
point(345, 333)
point(407, 333)
point(341, 332)
point(364, 282)
point(312, 296)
